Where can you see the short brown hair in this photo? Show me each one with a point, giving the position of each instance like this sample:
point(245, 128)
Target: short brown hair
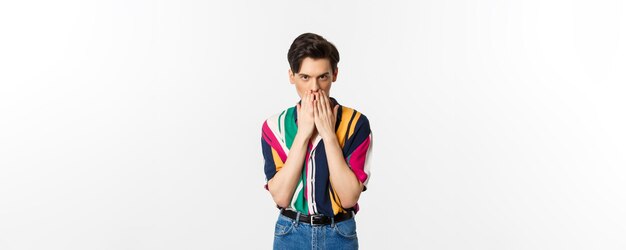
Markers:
point(313, 46)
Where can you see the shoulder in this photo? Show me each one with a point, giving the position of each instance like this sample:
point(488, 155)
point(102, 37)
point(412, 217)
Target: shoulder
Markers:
point(353, 116)
point(353, 132)
point(279, 117)
point(353, 127)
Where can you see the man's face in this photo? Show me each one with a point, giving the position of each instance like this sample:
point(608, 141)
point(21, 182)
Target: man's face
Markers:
point(315, 74)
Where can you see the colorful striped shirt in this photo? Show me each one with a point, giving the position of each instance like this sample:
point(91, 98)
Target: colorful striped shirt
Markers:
point(314, 193)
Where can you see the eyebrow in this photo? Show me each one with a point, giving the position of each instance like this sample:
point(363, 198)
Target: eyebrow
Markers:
point(317, 76)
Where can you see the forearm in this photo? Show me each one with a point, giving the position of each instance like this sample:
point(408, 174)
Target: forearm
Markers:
point(282, 186)
point(344, 181)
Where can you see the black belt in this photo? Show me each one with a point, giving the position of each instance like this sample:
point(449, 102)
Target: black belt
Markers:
point(317, 219)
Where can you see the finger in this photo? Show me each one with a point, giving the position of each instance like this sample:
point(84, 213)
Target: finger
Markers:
point(315, 110)
point(325, 105)
point(320, 110)
point(307, 97)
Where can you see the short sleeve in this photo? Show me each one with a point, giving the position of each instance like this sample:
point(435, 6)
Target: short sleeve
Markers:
point(358, 151)
point(272, 161)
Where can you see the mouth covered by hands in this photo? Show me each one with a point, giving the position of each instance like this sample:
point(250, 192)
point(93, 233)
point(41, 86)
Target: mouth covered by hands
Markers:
point(316, 113)
point(306, 115)
point(325, 115)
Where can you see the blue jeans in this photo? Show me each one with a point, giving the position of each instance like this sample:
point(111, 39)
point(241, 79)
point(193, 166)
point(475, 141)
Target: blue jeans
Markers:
point(292, 234)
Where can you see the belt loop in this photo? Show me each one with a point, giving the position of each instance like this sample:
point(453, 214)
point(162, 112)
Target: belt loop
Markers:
point(298, 217)
point(332, 222)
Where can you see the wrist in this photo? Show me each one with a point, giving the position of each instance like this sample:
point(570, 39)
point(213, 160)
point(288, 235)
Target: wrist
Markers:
point(301, 135)
point(329, 138)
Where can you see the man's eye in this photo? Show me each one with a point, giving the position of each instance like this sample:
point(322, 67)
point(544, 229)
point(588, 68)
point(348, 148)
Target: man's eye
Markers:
point(304, 77)
point(323, 77)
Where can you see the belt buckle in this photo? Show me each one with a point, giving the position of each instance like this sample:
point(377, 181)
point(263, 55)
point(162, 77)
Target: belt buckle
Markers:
point(314, 216)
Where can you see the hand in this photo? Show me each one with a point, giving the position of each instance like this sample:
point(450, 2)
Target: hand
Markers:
point(306, 119)
point(325, 116)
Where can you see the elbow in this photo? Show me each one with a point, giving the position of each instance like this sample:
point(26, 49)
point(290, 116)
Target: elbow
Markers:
point(348, 205)
point(281, 201)
point(351, 200)
point(280, 198)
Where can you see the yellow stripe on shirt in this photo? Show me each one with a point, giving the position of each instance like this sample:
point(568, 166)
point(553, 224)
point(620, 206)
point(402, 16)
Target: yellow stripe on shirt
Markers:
point(356, 118)
point(334, 200)
point(346, 114)
point(277, 161)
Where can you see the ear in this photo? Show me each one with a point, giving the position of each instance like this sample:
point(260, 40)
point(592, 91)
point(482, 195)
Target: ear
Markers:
point(291, 77)
point(335, 74)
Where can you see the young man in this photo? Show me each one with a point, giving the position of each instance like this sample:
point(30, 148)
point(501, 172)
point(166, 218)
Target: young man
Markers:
point(315, 155)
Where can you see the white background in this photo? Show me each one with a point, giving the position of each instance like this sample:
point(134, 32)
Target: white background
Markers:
point(137, 124)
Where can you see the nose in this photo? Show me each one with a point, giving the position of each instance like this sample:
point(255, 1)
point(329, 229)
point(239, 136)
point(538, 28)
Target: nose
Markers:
point(316, 85)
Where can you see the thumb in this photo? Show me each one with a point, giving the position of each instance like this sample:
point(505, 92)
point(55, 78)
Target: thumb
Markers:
point(336, 108)
point(298, 107)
